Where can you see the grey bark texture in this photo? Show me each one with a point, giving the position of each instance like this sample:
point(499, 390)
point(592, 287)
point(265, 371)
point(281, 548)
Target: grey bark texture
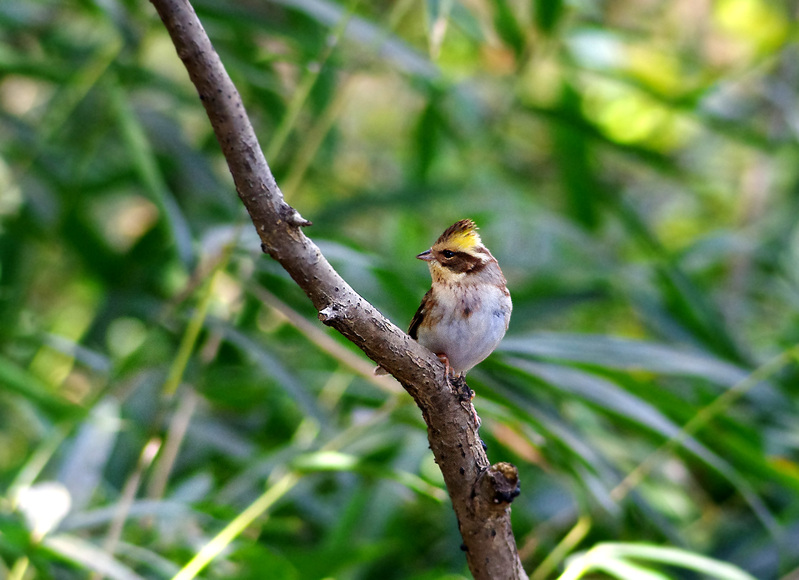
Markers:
point(480, 493)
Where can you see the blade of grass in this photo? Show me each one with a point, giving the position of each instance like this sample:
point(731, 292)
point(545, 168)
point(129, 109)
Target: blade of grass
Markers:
point(177, 432)
point(313, 140)
point(196, 323)
point(89, 556)
point(222, 540)
point(564, 547)
point(126, 500)
point(672, 557)
point(626, 354)
point(613, 559)
point(19, 569)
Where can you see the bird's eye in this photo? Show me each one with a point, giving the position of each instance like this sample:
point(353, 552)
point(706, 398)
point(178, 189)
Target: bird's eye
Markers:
point(448, 253)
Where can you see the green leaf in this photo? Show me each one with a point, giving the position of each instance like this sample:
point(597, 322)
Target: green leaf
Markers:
point(625, 354)
point(574, 154)
point(22, 382)
point(676, 557)
point(548, 14)
point(508, 28)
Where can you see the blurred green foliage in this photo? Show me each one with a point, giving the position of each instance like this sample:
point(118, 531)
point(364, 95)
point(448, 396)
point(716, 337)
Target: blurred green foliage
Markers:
point(633, 166)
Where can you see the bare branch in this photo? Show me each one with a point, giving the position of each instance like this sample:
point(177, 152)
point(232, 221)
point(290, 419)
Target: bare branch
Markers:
point(480, 493)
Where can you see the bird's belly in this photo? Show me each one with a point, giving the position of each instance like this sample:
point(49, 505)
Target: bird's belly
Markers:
point(466, 340)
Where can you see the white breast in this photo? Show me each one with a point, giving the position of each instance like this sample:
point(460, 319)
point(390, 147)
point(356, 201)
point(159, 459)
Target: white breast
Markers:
point(469, 329)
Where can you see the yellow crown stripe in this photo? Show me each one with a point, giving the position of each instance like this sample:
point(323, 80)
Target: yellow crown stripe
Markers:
point(461, 235)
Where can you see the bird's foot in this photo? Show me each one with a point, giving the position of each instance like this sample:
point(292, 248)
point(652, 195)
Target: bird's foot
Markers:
point(457, 383)
point(465, 395)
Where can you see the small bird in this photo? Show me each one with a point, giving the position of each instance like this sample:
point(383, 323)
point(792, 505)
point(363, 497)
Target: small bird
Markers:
point(465, 314)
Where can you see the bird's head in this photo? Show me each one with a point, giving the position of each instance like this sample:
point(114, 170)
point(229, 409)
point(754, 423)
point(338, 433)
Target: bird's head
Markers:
point(458, 253)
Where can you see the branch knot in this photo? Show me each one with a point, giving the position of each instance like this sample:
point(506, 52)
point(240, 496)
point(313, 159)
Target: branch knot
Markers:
point(500, 483)
point(329, 314)
point(292, 217)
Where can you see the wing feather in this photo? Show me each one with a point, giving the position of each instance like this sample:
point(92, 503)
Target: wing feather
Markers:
point(416, 321)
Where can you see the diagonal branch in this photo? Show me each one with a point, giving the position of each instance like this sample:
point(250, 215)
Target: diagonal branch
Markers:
point(480, 493)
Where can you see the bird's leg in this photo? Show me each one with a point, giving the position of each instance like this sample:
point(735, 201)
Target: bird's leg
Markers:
point(445, 361)
point(455, 382)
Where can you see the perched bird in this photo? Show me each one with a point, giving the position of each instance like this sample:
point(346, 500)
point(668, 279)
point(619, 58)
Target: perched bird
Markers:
point(465, 314)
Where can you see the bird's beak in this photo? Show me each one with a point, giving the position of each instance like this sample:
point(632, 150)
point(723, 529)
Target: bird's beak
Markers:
point(427, 256)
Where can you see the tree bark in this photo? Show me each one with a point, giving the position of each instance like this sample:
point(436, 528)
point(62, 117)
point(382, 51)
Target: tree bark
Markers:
point(480, 493)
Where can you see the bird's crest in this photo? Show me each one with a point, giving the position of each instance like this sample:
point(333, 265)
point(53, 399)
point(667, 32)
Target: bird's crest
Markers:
point(461, 235)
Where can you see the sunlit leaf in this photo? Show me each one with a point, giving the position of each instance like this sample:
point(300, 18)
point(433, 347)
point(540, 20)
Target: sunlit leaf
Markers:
point(626, 354)
point(88, 556)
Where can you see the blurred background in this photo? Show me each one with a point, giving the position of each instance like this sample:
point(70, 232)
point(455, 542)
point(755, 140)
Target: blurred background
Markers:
point(632, 164)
